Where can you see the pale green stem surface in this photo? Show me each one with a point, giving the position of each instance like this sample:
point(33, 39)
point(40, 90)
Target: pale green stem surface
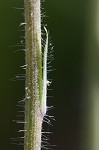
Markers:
point(33, 57)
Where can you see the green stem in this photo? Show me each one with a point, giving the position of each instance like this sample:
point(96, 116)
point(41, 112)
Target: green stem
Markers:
point(90, 121)
point(33, 56)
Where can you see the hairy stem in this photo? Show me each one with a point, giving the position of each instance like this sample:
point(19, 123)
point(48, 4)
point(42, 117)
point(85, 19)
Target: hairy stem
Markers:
point(33, 56)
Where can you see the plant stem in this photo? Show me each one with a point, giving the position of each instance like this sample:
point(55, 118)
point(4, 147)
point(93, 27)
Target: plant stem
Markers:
point(33, 56)
point(91, 109)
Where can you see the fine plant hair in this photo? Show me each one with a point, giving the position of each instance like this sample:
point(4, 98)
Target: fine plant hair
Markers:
point(33, 109)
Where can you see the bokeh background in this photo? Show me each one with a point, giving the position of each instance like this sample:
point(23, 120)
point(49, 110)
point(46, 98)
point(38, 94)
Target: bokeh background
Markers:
point(66, 22)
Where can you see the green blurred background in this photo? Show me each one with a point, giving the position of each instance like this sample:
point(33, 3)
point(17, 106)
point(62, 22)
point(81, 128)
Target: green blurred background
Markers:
point(66, 21)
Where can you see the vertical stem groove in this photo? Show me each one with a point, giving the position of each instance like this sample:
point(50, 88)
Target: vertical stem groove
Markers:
point(33, 117)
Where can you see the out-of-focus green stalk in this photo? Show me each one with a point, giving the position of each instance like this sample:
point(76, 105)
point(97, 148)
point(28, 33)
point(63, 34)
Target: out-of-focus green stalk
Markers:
point(90, 125)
